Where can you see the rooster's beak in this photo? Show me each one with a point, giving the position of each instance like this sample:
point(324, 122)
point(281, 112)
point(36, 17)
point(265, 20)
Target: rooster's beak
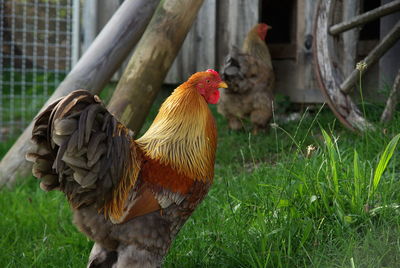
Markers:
point(222, 85)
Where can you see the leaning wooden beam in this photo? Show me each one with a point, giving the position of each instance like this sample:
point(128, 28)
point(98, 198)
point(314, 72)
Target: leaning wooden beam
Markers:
point(366, 17)
point(392, 101)
point(387, 42)
point(92, 72)
point(151, 60)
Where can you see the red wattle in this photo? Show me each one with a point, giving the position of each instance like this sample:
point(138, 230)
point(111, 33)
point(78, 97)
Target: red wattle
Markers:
point(213, 97)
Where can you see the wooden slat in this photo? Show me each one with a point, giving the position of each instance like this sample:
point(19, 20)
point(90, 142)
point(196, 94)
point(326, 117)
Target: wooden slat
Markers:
point(198, 50)
point(222, 42)
point(200, 46)
point(384, 45)
point(243, 14)
point(293, 62)
point(366, 17)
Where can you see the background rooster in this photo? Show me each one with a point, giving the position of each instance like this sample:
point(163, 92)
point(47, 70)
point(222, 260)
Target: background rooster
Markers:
point(251, 79)
point(130, 196)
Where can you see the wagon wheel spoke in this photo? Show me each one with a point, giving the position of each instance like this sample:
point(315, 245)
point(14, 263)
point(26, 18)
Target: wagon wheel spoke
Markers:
point(384, 45)
point(392, 101)
point(365, 18)
point(328, 64)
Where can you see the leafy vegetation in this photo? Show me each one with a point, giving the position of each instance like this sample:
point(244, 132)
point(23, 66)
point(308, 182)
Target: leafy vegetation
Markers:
point(306, 194)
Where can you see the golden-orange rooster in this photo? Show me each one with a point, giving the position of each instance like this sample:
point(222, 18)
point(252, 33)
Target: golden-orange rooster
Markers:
point(130, 196)
point(251, 79)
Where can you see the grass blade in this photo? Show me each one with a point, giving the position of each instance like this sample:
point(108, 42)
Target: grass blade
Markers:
point(357, 178)
point(384, 161)
point(332, 160)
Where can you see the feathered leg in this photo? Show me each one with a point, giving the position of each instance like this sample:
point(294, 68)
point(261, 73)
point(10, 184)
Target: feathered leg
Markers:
point(101, 258)
point(136, 256)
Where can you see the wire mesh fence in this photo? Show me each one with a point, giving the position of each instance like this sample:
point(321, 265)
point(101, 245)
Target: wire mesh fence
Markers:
point(35, 56)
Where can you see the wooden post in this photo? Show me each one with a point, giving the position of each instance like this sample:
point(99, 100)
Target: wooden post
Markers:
point(92, 72)
point(151, 60)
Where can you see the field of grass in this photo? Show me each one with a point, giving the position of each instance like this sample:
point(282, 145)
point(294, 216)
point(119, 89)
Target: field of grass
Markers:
point(272, 204)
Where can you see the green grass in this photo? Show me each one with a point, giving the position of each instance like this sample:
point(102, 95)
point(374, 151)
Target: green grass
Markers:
point(271, 205)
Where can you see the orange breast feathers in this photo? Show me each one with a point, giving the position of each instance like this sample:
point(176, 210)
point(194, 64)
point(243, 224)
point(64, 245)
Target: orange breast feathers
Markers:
point(165, 176)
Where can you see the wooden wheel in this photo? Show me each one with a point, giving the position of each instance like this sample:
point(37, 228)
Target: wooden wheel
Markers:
point(328, 45)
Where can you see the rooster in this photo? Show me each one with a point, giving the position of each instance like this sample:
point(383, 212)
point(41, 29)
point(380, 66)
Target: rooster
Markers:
point(251, 79)
point(130, 196)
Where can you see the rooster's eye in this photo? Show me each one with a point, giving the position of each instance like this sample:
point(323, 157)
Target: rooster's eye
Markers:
point(208, 81)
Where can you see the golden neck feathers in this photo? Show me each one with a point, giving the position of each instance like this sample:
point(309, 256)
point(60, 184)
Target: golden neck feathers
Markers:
point(183, 135)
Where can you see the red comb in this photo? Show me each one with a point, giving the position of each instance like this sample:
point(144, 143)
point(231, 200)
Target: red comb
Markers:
point(212, 71)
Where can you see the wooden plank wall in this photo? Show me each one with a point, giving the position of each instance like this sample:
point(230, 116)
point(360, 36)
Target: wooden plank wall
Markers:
point(304, 87)
point(219, 25)
point(224, 23)
point(198, 50)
